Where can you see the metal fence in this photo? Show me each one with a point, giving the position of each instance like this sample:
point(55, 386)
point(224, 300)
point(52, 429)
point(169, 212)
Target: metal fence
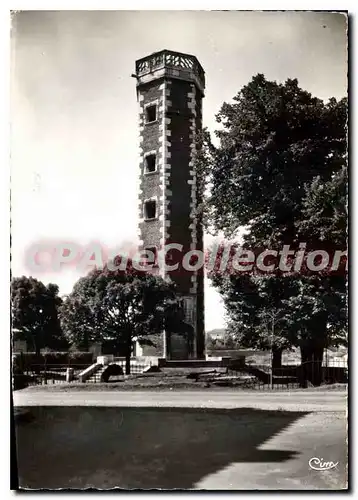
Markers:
point(136, 367)
point(246, 376)
point(262, 377)
point(41, 374)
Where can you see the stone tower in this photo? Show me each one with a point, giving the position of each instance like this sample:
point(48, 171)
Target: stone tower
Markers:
point(170, 89)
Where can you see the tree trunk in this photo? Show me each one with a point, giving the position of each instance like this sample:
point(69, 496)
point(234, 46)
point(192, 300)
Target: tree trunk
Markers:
point(37, 349)
point(35, 345)
point(128, 356)
point(86, 343)
point(168, 344)
point(276, 358)
point(128, 364)
point(311, 365)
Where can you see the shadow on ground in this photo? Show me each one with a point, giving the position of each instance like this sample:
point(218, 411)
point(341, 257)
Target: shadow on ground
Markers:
point(79, 447)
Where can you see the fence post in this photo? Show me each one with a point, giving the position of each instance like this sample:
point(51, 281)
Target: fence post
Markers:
point(271, 350)
point(45, 377)
point(69, 374)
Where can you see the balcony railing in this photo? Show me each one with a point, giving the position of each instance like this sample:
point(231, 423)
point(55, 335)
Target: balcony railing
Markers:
point(170, 59)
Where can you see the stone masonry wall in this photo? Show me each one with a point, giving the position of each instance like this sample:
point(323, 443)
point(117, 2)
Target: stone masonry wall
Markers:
point(173, 186)
point(150, 232)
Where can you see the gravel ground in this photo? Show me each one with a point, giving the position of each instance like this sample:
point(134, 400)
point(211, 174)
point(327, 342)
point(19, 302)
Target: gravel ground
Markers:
point(176, 381)
point(185, 448)
point(305, 400)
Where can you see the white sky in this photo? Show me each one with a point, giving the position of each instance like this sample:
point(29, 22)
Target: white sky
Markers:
point(74, 160)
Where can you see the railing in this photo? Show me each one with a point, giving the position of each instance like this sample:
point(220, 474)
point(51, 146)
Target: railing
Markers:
point(88, 372)
point(35, 374)
point(291, 376)
point(171, 59)
point(240, 375)
point(136, 367)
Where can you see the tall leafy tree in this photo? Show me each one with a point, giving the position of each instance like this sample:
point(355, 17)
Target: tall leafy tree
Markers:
point(274, 140)
point(119, 307)
point(279, 171)
point(317, 307)
point(77, 313)
point(34, 308)
point(256, 307)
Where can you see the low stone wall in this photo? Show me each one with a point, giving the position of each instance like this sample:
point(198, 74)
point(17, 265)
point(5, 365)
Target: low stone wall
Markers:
point(148, 360)
point(192, 363)
point(105, 360)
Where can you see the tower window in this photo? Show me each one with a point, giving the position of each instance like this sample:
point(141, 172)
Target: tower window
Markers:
point(153, 261)
point(150, 163)
point(151, 113)
point(150, 209)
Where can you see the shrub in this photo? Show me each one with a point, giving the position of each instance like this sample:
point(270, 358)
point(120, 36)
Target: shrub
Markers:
point(112, 370)
point(19, 381)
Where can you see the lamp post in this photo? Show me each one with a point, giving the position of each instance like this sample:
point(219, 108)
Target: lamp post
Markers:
point(42, 342)
point(270, 315)
point(271, 342)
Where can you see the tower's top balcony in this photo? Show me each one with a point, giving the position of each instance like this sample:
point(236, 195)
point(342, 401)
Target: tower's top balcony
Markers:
point(167, 63)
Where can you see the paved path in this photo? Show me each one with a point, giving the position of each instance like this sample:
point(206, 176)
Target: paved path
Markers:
point(321, 435)
point(237, 441)
point(289, 401)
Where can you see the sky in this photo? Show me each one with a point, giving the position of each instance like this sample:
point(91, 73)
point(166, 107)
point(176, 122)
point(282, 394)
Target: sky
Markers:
point(74, 124)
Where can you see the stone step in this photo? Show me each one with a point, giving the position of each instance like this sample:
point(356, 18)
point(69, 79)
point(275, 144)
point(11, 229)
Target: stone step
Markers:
point(96, 377)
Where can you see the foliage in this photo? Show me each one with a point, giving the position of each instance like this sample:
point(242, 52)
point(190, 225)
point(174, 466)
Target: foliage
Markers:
point(34, 308)
point(324, 212)
point(119, 306)
point(77, 314)
point(255, 310)
point(280, 171)
point(274, 140)
point(225, 341)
